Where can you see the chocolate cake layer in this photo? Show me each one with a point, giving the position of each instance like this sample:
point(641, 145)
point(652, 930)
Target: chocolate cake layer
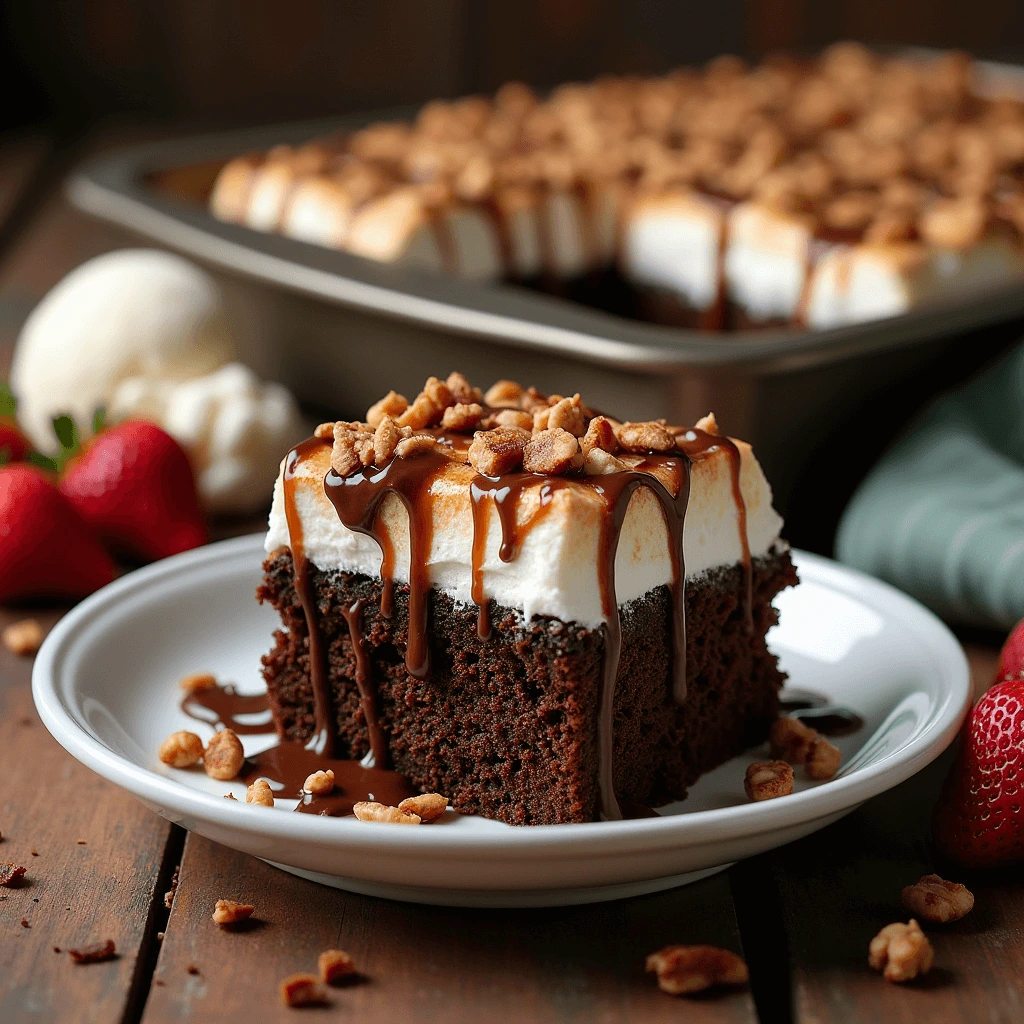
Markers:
point(507, 727)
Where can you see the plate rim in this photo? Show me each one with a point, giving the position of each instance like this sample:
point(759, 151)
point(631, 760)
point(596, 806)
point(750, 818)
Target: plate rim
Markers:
point(698, 828)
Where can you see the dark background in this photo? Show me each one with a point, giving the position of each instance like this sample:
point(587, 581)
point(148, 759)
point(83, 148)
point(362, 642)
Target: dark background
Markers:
point(223, 62)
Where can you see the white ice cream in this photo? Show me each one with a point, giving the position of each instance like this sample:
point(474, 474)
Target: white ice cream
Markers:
point(129, 313)
point(555, 572)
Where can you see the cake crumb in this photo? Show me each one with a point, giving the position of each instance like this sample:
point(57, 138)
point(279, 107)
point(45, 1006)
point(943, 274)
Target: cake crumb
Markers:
point(369, 810)
point(228, 912)
point(335, 965)
point(11, 874)
point(683, 970)
point(182, 749)
point(936, 900)
point(56, 949)
point(94, 954)
point(24, 923)
point(34, 852)
point(303, 990)
point(429, 806)
point(766, 780)
point(192, 969)
point(196, 682)
point(230, 796)
point(24, 637)
point(81, 842)
point(901, 952)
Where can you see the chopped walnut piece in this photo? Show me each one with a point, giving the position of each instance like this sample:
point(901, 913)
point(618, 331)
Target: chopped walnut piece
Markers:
point(790, 740)
point(429, 806)
point(600, 463)
point(94, 954)
point(901, 952)
point(567, 414)
point(600, 434)
point(23, 638)
point(462, 416)
point(645, 437)
point(822, 759)
point(259, 792)
point(324, 430)
point(708, 424)
point(11, 874)
point(420, 414)
point(223, 756)
point(228, 912)
point(439, 393)
point(385, 440)
point(541, 415)
point(508, 418)
point(683, 970)
point(181, 749)
point(552, 451)
point(335, 966)
point(392, 404)
point(954, 223)
point(169, 895)
point(303, 990)
point(196, 682)
point(766, 780)
point(494, 452)
point(935, 899)
point(505, 393)
point(460, 388)
point(319, 782)
point(410, 446)
point(353, 448)
point(368, 810)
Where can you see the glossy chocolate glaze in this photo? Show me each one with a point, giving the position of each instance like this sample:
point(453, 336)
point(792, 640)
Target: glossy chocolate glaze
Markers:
point(224, 709)
point(357, 500)
point(817, 711)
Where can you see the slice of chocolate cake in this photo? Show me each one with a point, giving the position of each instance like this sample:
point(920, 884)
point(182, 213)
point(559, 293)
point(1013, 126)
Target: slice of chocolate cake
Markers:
point(542, 613)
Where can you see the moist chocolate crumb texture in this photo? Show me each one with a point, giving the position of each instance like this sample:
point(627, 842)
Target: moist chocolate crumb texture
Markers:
point(823, 192)
point(550, 624)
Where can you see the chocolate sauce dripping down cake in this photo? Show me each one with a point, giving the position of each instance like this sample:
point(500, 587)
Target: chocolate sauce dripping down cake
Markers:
point(512, 628)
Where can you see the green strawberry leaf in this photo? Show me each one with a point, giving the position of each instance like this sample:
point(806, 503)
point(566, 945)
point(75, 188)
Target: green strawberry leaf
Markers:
point(7, 401)
point(70, 441)
point(43, 461)
point(99, 419)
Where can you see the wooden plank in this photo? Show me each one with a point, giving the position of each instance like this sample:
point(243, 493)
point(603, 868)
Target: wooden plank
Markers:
point(840, 886)
point(97, 874)
point(429, 963)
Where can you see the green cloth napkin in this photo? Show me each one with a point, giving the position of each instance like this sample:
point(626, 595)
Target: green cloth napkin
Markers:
point(942, 514)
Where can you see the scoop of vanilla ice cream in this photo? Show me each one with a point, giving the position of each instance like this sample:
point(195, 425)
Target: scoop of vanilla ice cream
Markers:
point(235, 427)
point(133, 313)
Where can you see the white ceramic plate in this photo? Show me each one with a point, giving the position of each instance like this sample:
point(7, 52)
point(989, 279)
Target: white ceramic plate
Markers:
point(105, 684)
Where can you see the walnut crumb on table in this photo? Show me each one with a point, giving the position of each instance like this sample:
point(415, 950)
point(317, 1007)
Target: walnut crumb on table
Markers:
point(335, 965)
point(936, 900)
point(228, 912)
point(95, 953)
point(901, 952)
point(683, 970)
point(23, 638)
point(303, 990)
point(11, 874)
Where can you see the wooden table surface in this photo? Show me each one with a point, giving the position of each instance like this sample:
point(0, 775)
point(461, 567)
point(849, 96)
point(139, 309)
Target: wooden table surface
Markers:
point(99, 864)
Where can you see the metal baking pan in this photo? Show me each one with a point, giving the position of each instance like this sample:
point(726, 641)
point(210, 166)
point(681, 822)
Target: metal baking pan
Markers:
point(340, 330)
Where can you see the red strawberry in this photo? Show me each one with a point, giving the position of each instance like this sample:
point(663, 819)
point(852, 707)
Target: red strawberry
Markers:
point(45, 548)
point(133, 484)
point(13, 440)
point(1011, 657)
point(979, 821)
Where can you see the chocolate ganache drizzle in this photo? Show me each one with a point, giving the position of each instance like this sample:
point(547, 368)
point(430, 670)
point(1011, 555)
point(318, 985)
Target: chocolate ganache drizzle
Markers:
point(358, 500)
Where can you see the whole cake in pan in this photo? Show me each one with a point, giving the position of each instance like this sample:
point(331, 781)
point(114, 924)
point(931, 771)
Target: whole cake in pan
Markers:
point(541, 612)
point(823, 192)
